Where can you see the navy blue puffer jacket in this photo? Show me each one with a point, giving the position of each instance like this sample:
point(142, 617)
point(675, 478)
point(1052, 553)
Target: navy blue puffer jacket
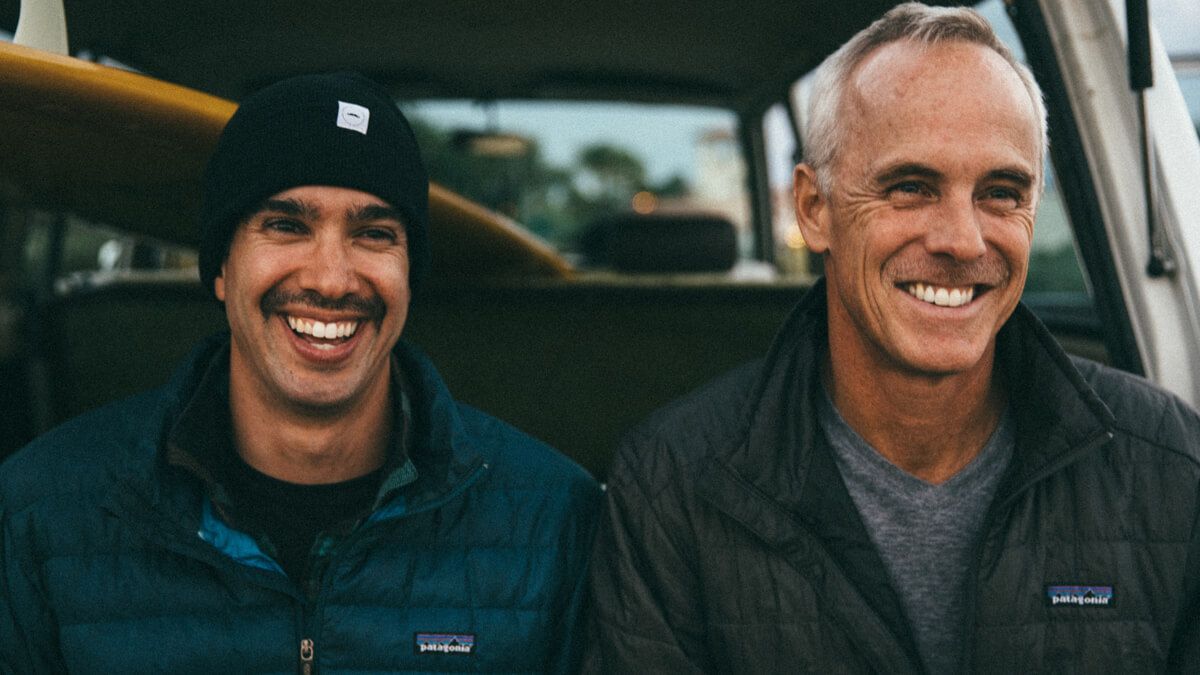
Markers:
point(111, 561)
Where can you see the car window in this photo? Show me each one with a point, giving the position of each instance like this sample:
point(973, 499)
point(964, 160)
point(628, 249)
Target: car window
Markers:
point(792, 258)
point(1178, 25)
point(1187, 70)
point(1054, 266)
point(62, 252)
point(558, 167)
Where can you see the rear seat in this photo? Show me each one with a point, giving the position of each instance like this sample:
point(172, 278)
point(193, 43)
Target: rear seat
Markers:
point(575, 363)
point(121, 334)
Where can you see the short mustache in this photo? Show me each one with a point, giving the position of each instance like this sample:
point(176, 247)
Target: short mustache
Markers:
point(275, 300)
point(990, 270)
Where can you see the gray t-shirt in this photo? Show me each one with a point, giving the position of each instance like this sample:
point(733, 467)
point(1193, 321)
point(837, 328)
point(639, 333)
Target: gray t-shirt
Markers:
point(925, 533)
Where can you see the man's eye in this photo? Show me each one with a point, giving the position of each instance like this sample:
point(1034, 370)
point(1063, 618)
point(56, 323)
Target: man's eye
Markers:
point(1007, 195)
point(909, 189)
point(379, 234)
point(284, 225)
point(1003, 193)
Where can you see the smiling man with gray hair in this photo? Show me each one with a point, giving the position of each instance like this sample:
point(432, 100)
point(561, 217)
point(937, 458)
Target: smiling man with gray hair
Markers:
point(916, 478)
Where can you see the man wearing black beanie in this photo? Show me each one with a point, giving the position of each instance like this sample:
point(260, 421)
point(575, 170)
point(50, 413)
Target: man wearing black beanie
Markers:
point(304, 493)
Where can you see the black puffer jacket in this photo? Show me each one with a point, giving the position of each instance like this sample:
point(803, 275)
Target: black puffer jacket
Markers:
point(730, 543)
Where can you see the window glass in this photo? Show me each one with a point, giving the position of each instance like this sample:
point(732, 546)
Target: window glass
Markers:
point(68, 252)
point(1187, 70)
point(37, 248)
point(792, 257)
point(1178, 26)
point(1054, 266)
point(558, 167)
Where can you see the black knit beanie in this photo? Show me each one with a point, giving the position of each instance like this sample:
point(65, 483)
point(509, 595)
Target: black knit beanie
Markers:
point(340, 130)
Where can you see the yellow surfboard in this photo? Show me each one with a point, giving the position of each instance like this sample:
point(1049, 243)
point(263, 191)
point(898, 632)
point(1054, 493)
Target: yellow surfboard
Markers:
point(128, 150)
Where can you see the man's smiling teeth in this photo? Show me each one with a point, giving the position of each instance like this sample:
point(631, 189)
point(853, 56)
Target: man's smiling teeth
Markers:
point(940, 295)
point(325, 331)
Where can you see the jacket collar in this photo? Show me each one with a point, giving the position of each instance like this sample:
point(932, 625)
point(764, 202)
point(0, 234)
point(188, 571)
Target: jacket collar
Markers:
point(440, 449)
point(440, 445)
point(778, 431)
point(1057, 414)
point(1059, 417)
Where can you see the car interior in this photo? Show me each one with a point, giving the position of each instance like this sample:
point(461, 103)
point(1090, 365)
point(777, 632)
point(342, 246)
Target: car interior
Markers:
point(573, 334)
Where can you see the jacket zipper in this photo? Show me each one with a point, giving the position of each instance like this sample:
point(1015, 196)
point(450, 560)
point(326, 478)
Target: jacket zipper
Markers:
point(210, 555)
point(307, 650)
point(991, 522)
point(312, 604)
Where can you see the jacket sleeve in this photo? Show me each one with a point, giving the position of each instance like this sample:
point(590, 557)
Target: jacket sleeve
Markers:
point(645, 614)
point(27, 636)
point(577, 546)
point(1185, 644)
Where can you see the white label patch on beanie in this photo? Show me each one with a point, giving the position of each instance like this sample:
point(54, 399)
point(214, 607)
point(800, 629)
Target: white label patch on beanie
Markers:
point(353, 117)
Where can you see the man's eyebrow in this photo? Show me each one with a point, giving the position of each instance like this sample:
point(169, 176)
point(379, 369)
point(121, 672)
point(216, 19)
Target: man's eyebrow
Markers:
point(907, 170)
point(288, 207)
point(1013, 175)
point(374, 212)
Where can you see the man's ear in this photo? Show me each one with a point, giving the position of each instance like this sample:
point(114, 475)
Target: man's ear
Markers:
point(219, 284)
point(813, 214)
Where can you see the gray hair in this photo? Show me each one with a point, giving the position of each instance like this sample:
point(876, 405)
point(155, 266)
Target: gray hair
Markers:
point(913, 21)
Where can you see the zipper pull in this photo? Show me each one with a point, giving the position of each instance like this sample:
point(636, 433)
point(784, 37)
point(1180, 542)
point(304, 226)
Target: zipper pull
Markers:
point(306, 656)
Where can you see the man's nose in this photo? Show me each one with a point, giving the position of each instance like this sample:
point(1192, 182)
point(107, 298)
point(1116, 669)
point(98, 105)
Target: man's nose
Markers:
point(956, 229)
point(329, 269)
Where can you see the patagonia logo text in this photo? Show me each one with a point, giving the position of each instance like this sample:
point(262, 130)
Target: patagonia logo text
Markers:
point(1080, 596)
point(444, 643)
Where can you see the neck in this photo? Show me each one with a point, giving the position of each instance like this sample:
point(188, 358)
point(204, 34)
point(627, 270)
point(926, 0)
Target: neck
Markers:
point(931, 426)
point(312, 447)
